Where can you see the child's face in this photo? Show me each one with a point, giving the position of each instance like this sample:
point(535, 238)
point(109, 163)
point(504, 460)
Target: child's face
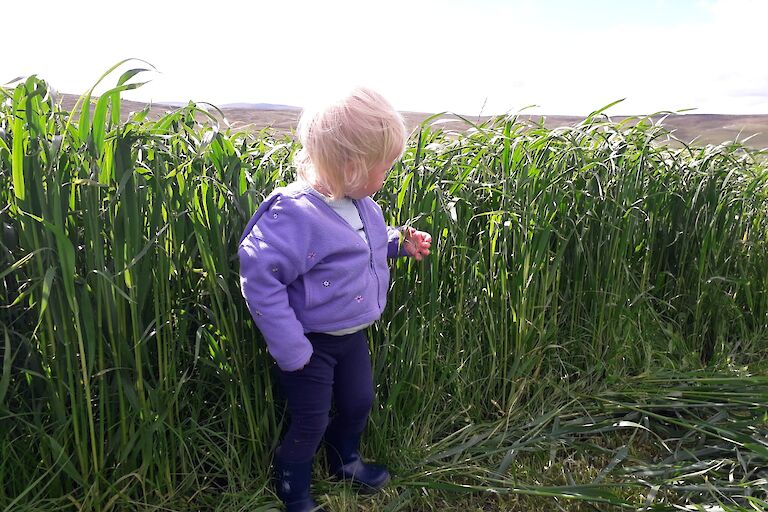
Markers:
point(375, 181)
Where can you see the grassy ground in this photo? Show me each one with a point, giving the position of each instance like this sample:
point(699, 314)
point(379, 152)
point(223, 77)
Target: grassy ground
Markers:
point(589, 332)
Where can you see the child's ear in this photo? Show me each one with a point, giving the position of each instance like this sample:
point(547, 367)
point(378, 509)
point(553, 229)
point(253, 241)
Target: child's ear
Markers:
point(349, 169)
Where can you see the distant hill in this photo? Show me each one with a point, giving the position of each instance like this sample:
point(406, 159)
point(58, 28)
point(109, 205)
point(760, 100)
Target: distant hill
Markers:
point(259, 106)
point(701, 128)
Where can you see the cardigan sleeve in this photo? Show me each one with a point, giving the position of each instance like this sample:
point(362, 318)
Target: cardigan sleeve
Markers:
point(268, 265)
point(395, 247)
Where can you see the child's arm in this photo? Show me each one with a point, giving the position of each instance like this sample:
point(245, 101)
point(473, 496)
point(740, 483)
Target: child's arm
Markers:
point(263, 274)
point(395, 248)
point(417, 243)
point(408, 241)
point(268, 264)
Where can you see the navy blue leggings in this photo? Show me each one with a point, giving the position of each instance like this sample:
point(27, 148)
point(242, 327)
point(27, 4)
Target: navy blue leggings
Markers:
point(339, 371)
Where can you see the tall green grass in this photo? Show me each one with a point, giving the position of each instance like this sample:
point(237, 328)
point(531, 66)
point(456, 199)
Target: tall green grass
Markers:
point(579, 276)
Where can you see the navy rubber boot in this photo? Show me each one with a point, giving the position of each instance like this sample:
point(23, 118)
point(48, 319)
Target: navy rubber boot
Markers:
point(344, 463)
point(292, 482)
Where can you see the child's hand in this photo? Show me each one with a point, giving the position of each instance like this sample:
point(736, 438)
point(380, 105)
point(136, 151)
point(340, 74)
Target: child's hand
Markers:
point(417, 243)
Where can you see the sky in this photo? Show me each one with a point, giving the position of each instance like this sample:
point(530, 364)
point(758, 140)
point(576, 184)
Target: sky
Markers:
point(469, 57)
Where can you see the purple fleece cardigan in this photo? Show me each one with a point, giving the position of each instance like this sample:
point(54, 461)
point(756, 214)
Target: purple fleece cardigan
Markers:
point(305, 269)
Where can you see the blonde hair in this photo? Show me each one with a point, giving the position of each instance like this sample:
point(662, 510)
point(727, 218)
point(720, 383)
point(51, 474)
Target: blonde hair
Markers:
point(344, 139)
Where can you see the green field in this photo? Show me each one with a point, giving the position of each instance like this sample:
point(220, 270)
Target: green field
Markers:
point(589, 332)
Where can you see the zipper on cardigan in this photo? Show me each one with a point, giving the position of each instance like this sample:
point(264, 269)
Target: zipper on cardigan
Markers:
point(370, 253)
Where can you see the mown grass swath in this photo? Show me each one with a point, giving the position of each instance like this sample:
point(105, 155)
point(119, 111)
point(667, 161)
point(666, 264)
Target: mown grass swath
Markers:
point(590, 327)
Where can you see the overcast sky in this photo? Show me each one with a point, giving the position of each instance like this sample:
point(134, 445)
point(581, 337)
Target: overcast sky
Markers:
point(469, 57)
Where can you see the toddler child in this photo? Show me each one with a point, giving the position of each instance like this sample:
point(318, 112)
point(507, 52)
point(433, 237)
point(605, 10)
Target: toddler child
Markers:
point(314, 274)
